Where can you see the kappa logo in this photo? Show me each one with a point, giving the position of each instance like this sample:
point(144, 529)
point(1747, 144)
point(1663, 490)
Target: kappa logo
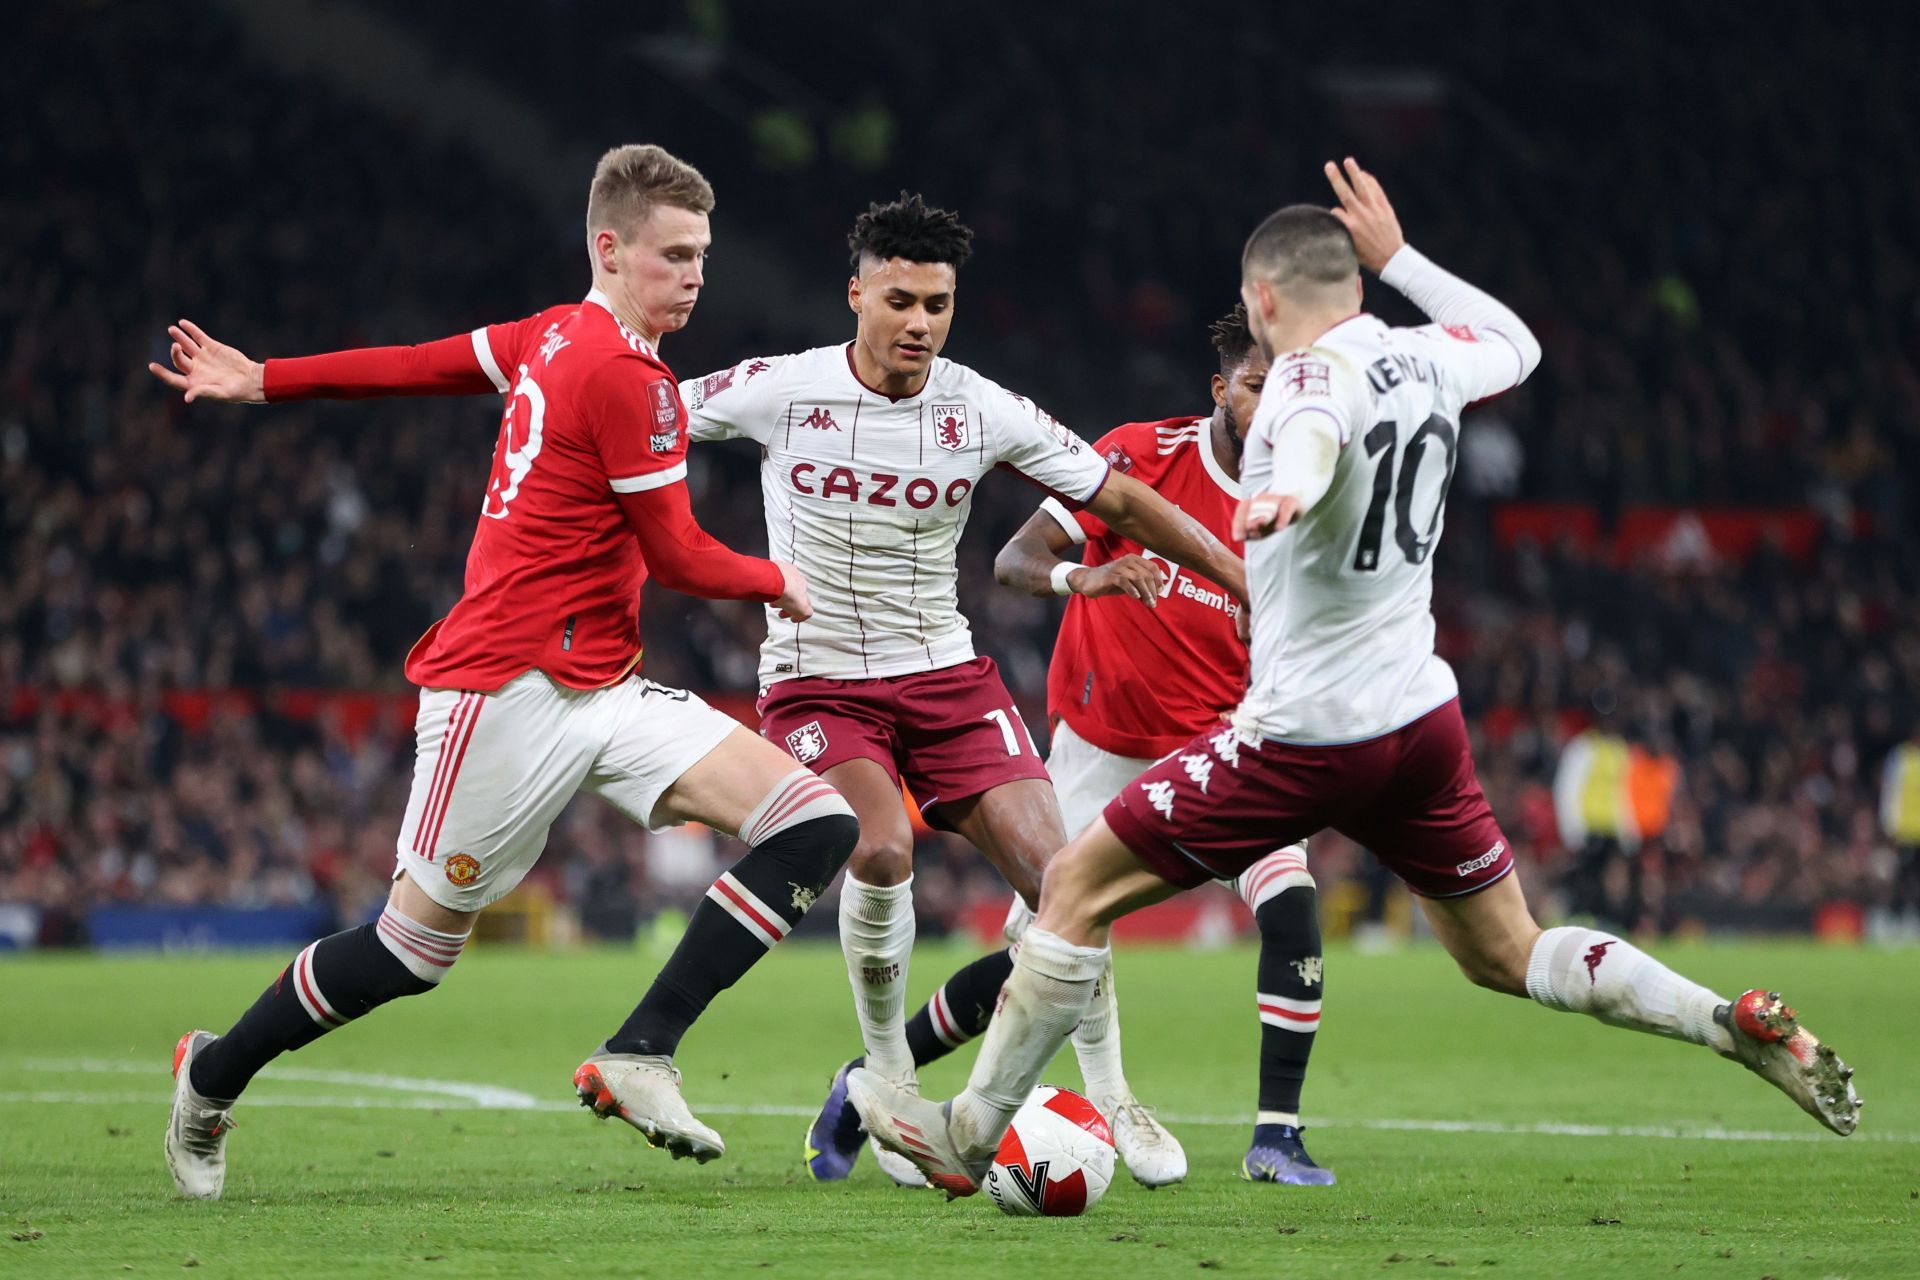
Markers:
point(462, 870)
point(757, 366)
point(552, 344)
point(807, 742)
point(1160, 796)
point(1484, 861)
point(950, 427)
point(1595, 954)
point(1199, 767)
point(1226, 745)
point(820, 420)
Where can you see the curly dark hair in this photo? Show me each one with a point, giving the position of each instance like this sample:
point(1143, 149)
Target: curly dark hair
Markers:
point(909, 228)
point(1231, 337)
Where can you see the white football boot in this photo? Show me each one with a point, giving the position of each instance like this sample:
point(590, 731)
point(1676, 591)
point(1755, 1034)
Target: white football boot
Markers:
point(1152, 1155)
point(1770, 1042)
point(902, 1170)
point(644, 1090)
point(906, 1123)
point(197, 1128)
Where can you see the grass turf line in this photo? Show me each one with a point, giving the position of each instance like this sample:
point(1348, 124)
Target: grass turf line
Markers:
point(459, 1190)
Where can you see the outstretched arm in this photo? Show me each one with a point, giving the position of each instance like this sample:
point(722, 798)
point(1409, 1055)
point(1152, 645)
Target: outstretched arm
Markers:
point(1446, 298)
point(681, 556)
point(1034, 558)
point(206, 369)
point(1133, 510)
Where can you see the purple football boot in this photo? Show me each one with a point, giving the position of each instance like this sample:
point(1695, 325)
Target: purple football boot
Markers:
point(1278, 1155)
point(833, 1141)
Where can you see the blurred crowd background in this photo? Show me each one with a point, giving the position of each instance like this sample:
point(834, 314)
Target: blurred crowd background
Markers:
point(1679, 582)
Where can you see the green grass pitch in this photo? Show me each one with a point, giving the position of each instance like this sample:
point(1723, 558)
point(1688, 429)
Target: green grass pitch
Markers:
point(438, 1137)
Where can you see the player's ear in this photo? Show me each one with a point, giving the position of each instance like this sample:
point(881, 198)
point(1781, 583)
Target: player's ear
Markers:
point(853, 294)
point(1219, 389)
point(606, 250)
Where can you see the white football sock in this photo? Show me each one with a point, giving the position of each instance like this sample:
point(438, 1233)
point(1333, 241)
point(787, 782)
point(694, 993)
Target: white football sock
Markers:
point(876, 936)
point(1019, 916)
point(1585, 971)
point(1047, 993)
point(1096, 1041)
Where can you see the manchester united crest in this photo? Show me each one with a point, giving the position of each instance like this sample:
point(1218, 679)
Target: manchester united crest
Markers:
point(950, 427)
point(462, 870)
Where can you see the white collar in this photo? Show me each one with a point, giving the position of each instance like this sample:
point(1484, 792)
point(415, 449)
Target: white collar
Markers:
point(1207, 459)
point(598, 298)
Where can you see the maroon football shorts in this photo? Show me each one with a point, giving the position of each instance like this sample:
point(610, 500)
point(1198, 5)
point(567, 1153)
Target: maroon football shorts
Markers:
point(947, 734)
point(1220, 804)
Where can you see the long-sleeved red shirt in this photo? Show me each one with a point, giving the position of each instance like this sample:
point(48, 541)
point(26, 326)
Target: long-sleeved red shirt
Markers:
point(586, 500)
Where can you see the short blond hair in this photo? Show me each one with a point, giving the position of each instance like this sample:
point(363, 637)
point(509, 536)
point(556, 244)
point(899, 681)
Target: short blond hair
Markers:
point(629, 181)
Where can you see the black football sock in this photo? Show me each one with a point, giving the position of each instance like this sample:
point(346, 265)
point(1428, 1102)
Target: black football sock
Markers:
point(332, 982)
point(1290, 989)
point(960, 1009)
point(744, 914)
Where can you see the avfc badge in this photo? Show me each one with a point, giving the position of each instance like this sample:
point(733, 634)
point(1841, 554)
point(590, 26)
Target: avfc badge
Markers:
point(807, 742)
point(950, 427)
point(666, 412)
point(462, 870)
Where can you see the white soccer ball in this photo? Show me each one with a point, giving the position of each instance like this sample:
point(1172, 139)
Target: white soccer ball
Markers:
point(1056, 1160)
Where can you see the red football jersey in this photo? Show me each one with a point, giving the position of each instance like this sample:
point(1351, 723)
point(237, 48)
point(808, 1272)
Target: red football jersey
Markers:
point(554, 575)
point(1136, 681)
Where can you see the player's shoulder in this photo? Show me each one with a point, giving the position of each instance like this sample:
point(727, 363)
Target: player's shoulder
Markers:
point(951, 380)
point(1149, 447)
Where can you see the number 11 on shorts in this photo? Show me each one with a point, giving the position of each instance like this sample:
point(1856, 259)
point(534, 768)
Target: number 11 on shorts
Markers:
point(1005, 722)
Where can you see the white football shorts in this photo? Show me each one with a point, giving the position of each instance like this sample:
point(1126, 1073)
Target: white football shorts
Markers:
point(493, 770)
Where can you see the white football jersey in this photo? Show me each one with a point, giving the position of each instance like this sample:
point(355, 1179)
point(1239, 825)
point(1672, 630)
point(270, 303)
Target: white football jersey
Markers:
point(1342, 599)
point(868, 495)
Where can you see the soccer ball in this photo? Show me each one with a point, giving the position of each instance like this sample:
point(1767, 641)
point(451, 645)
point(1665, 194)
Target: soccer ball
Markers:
point(1056, 1159)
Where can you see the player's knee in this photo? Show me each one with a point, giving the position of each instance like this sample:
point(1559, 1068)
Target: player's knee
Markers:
point(416, 958)
point(881, 860)
point(1069, 902)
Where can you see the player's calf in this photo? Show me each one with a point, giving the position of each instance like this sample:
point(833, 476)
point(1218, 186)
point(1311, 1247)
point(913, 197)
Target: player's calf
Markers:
point(800, 836)
point(1585, 971)
point(332, 982)
point(1281, 892)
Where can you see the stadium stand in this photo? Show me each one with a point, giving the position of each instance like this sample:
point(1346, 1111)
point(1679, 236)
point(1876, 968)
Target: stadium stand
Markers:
point(1688, 538)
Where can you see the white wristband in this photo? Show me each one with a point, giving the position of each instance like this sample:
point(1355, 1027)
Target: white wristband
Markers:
point(1061, 587)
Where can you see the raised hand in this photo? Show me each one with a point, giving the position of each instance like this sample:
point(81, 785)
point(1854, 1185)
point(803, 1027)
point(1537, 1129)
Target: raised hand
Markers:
point(1263, 514)
point(203, 368)
point(794, 604)
point(1367, 213)
point(1129, 575)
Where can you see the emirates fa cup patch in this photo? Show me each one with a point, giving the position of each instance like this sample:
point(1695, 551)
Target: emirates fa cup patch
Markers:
point(807, 742)
point(665, 411)
point(950, 427)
